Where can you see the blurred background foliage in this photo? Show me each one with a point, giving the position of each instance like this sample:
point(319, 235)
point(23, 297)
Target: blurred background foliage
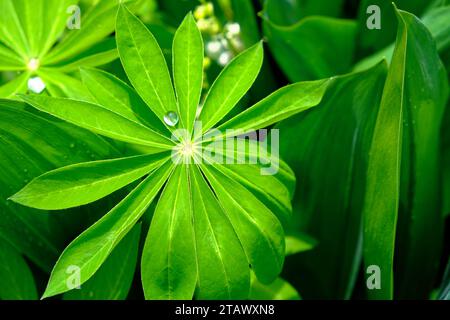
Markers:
point(328, 147)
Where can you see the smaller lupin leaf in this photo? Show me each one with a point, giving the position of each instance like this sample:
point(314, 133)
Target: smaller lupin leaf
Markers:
point(98, 119)
point(188, 69)
point(83, 183)
point(231, 85)
point(90, 249)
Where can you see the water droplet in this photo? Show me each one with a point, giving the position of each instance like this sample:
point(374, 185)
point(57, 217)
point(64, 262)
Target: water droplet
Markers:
point(171, 118)
point(33, 64)
point(36, 85)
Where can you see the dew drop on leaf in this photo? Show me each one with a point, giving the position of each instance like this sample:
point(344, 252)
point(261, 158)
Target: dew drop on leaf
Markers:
point(36, 85)
point(171, 118)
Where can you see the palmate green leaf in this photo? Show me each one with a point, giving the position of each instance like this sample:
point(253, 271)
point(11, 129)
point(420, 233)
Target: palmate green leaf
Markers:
point(327, 148)
point(27, 151)
point(278, 106)
point(188, 70)
point(169, 266)
point(89, 250)
point(144, 63)
point(231, 85)
point(17, 279)
point(223, 271)
point(114, 278)
point(117, 96)
point(308, 48)
point(83, 183)
point(98, 119)
point(403, 169)
point(259, 231)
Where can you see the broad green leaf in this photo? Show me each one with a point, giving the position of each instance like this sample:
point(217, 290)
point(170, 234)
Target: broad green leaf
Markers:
point(223, 271)
point(258, 229)
point(144, 63)
point(11, 29)
point(278, 106)
point(327, 148)
point(17, 85)
point(169, 264)
point(27, 151)
point(231, 85)
point(96, 24)
point(436, 22)
point(83, 183)
point(98, 119)
point(299, 242)
point(403, 168)
point(114, 278)
point(90, 249)
point(308, 48)
point(370, 40)
point(425, 93)
point(17, 279)
point(188, 70)
point(277, 290)
point(117, 96)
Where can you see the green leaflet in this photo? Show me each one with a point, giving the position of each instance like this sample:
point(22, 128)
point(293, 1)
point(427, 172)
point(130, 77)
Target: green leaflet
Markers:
point(144, 63)
point(117, 96)
point(445, 287)
point(298, 44)
point(18, 85)
point(405, 149)
point(327, 148)
point(259, 231)
point(83, 183)
point(223, 271)
point(90, 249)
point(17, 279)
point(98, 119)
point(169, 267)
point(278, 106)
point(231, 85)
point(59, 84)
point(9, 60)
point(188, 70)
point(114, 278)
